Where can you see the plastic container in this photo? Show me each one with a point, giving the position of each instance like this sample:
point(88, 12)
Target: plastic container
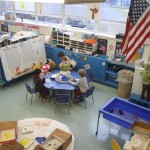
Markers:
point(125, 79)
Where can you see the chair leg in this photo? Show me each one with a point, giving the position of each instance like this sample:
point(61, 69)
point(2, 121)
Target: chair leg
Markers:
point(85, 103)
point(31, 98)
point(68, 108)
point(55, 107)
point(92, 99)
point(26, 95)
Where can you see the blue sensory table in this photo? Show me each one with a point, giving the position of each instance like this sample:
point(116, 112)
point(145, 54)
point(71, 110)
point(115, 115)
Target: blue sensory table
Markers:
point(123, 113)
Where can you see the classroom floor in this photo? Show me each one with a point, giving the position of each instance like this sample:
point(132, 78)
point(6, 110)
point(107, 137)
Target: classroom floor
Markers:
point(82, 123)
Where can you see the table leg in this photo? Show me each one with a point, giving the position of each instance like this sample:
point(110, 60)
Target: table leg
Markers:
point(98, 123)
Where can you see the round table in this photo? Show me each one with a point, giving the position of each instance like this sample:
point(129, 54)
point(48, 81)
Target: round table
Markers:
point(42, 128)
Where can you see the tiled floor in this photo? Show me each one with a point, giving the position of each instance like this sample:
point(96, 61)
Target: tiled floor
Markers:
point(82, 123)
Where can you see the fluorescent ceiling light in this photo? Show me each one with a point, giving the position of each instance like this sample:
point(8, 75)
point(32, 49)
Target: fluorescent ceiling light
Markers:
point(61, 1)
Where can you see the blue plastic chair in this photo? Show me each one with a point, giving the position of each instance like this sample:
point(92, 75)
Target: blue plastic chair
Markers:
point(90, 76)
point(82, 97)
point(62, 99)
point(30, 90)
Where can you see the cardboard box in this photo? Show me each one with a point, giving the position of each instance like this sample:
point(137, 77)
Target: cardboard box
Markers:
point(65, 136)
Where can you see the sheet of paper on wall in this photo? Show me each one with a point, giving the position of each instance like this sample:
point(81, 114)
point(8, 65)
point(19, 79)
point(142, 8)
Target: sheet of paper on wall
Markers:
point(111, 45)
point(87, 66)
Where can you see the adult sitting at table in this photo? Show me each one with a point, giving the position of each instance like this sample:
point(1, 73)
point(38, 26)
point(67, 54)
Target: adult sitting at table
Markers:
point(70, 61)
point(38, 85)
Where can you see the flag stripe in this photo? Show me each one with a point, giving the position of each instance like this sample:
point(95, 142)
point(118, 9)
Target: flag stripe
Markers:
point(136, 48)
point(143, 16)
point(138, 36)
point(137, 29)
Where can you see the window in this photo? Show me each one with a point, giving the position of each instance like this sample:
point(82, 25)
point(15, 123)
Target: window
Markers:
point(25, 11)
point(76, 16)
point(113, 16)
point(6, 5)
point(6, 8)
point(52, 13)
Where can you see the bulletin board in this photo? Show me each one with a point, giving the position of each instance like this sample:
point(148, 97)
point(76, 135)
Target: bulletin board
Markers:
point(18, 59)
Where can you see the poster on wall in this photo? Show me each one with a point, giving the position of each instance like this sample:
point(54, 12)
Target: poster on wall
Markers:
point(17, 59)
point(102, 46)
point(111, 48)
point(118, 50)
point(93, 11)
point(4, 27)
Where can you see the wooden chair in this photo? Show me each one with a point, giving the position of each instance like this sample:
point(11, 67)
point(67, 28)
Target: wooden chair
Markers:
point(115, 145)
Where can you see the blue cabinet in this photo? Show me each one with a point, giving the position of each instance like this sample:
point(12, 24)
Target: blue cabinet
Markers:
point(97, 64)
point(112, 69)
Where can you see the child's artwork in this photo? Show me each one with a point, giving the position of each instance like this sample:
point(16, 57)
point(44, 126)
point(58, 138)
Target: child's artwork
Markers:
point(52, 143)
point(7, 135)
point(18, 59)
point(93, 11)
point(102, 46)
point(87, 66)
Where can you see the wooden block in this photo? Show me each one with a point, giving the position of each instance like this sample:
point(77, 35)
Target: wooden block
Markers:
point(11, 146)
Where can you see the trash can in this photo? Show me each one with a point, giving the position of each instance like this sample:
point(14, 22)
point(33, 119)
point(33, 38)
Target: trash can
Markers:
point(125, 79)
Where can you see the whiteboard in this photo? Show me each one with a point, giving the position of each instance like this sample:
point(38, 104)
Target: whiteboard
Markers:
point(10, 54)
point(17, 59)
point(39, 49)
point(27, 54)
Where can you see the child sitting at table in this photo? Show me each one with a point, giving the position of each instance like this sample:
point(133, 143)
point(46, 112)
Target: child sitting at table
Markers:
point(64, 65)
point(70, 61)
point(38, 85)
point(47, 67)
point(81, 83)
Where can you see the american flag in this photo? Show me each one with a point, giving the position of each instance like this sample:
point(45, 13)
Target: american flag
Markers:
point(137, 27)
